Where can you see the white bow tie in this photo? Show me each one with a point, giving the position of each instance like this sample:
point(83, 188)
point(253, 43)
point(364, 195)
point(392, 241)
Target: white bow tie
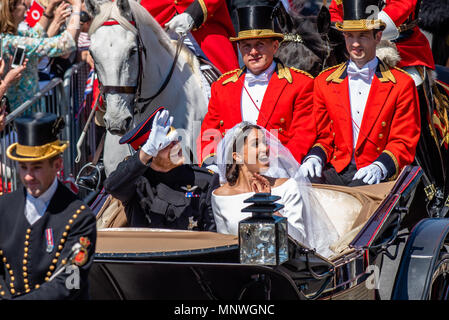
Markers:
point(252, 79)
point(355, 72)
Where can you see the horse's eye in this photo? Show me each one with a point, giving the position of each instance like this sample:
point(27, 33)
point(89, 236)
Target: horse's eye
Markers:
point(132, 51)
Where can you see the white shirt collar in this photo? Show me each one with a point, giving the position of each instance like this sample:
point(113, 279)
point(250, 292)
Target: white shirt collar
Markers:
point(371, 65)
point(36, 207)
point(267, 73)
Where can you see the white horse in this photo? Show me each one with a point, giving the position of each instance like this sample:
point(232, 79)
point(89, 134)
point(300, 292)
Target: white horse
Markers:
point(114, 34)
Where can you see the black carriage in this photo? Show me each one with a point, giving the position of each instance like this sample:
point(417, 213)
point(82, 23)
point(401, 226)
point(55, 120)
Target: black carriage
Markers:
point(166, 265)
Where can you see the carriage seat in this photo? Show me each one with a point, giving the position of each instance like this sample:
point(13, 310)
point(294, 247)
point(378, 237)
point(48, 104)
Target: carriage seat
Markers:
point(349, 208)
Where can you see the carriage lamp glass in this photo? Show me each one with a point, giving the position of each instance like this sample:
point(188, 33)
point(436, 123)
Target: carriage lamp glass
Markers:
point(263, 237)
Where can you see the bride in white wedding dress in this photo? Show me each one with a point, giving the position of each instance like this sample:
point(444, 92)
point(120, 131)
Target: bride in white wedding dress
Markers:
point(250, 159)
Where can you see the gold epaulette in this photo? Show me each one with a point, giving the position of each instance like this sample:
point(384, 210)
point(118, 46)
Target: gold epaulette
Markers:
point(336, 66)
point(402, 70)
point(303, 72)
point(227, 73)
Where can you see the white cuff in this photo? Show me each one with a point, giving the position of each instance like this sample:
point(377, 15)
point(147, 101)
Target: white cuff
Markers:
point(314, 157)
point(383, 168)
point(391, 31)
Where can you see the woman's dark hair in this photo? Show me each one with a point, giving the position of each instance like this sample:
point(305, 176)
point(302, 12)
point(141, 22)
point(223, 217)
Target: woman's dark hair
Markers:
point(232, 167)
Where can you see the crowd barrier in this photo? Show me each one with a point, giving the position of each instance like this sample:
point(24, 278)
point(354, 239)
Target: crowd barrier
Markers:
point(63, 97)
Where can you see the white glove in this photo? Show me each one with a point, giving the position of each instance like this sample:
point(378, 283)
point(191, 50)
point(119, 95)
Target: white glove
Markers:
point(158, 138)
point(312, 166)
point(391, 31)
point(181, 23)
point(371, 174)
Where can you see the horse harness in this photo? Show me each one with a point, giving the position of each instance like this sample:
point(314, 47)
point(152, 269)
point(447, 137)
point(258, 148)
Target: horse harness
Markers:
point(137, 90)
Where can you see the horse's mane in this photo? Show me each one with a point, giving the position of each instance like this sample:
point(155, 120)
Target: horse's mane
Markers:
point(110, 11)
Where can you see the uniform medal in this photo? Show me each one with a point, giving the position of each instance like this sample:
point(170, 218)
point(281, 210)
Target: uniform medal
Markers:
point(49, 238)
point(189, 193)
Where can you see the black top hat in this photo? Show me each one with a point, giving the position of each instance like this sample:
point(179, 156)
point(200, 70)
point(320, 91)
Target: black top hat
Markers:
point(256, 22)
point(37, 136)
point(139, 135)
point(361, 15)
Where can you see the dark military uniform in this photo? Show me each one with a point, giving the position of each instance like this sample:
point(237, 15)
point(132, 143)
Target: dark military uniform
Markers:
point(31, 254)
point(178, 199)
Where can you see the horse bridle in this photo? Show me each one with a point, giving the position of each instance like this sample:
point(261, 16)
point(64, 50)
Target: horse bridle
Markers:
point(137, 90)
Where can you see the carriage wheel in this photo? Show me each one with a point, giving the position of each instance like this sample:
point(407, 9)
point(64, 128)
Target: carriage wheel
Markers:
point(439, 287)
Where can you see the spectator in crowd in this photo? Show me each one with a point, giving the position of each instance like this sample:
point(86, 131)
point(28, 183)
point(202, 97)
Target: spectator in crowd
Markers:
point(263, 92)
point(157, 189)
point(367, 113)
point(35, 41)
point(43, 226)
point(12, 76)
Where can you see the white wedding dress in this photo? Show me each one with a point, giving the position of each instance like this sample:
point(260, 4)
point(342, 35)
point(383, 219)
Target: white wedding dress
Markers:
point(227, 210)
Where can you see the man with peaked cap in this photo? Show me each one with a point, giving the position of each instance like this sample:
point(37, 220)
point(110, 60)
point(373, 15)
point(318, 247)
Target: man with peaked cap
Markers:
point(47, 235)
point(264, 91)
point(157, 189)
point(367, 115)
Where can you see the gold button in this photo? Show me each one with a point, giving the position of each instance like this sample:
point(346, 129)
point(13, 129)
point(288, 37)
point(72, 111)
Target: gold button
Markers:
point(378, 149)
point(27, 243)
point(62, 240)
point(381, 135)
point(223, 134)
point(28, 230)
point(24, 268)
point(335, 157)
point(27, 290)
point(57, 254)
point(356, 153)
point(36, 286)
point(26, 249)
point(83, 207)
point(13, 291)
point(281, 130)
point(54, 261)
point(27, 237)
point(11, 285)
point(27, 286)
point(64, 234)
point(48, 273)
point(47, 279)
point(11, 272)
point(383, 123)
point(52, 267)
point(333, 134)
point(25, 280)
point(176, 1)
point(25, 274)
point(7, 266)
point(221, 122)
point(332, 121)
point(25, 255)
point(60, 247)
point(25, 261)
point(1, 252)
point(4, 259)
point(67, 227)
point(64, 261)
point(70, 221)
point(282, 120)
point(2, 293)
point(12, 278)
point(78, 211)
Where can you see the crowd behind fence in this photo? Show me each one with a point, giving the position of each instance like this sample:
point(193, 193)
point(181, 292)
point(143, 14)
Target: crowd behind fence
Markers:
point(63, 97)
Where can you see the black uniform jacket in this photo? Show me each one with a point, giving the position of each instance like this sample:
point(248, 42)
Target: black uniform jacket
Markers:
point(28, 259)
point(178, 199)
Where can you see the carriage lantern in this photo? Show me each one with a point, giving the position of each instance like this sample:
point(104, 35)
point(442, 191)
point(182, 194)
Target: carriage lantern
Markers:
point(263, 237)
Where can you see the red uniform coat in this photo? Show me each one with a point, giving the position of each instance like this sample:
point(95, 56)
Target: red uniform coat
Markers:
point(286, 107)
point(390, 126)
point(212, 28)
point(414, 50)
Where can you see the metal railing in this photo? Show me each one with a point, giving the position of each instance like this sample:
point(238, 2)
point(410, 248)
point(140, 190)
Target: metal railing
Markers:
point(63, 97)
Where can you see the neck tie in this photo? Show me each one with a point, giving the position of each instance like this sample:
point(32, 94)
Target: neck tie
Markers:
point(259, 79)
